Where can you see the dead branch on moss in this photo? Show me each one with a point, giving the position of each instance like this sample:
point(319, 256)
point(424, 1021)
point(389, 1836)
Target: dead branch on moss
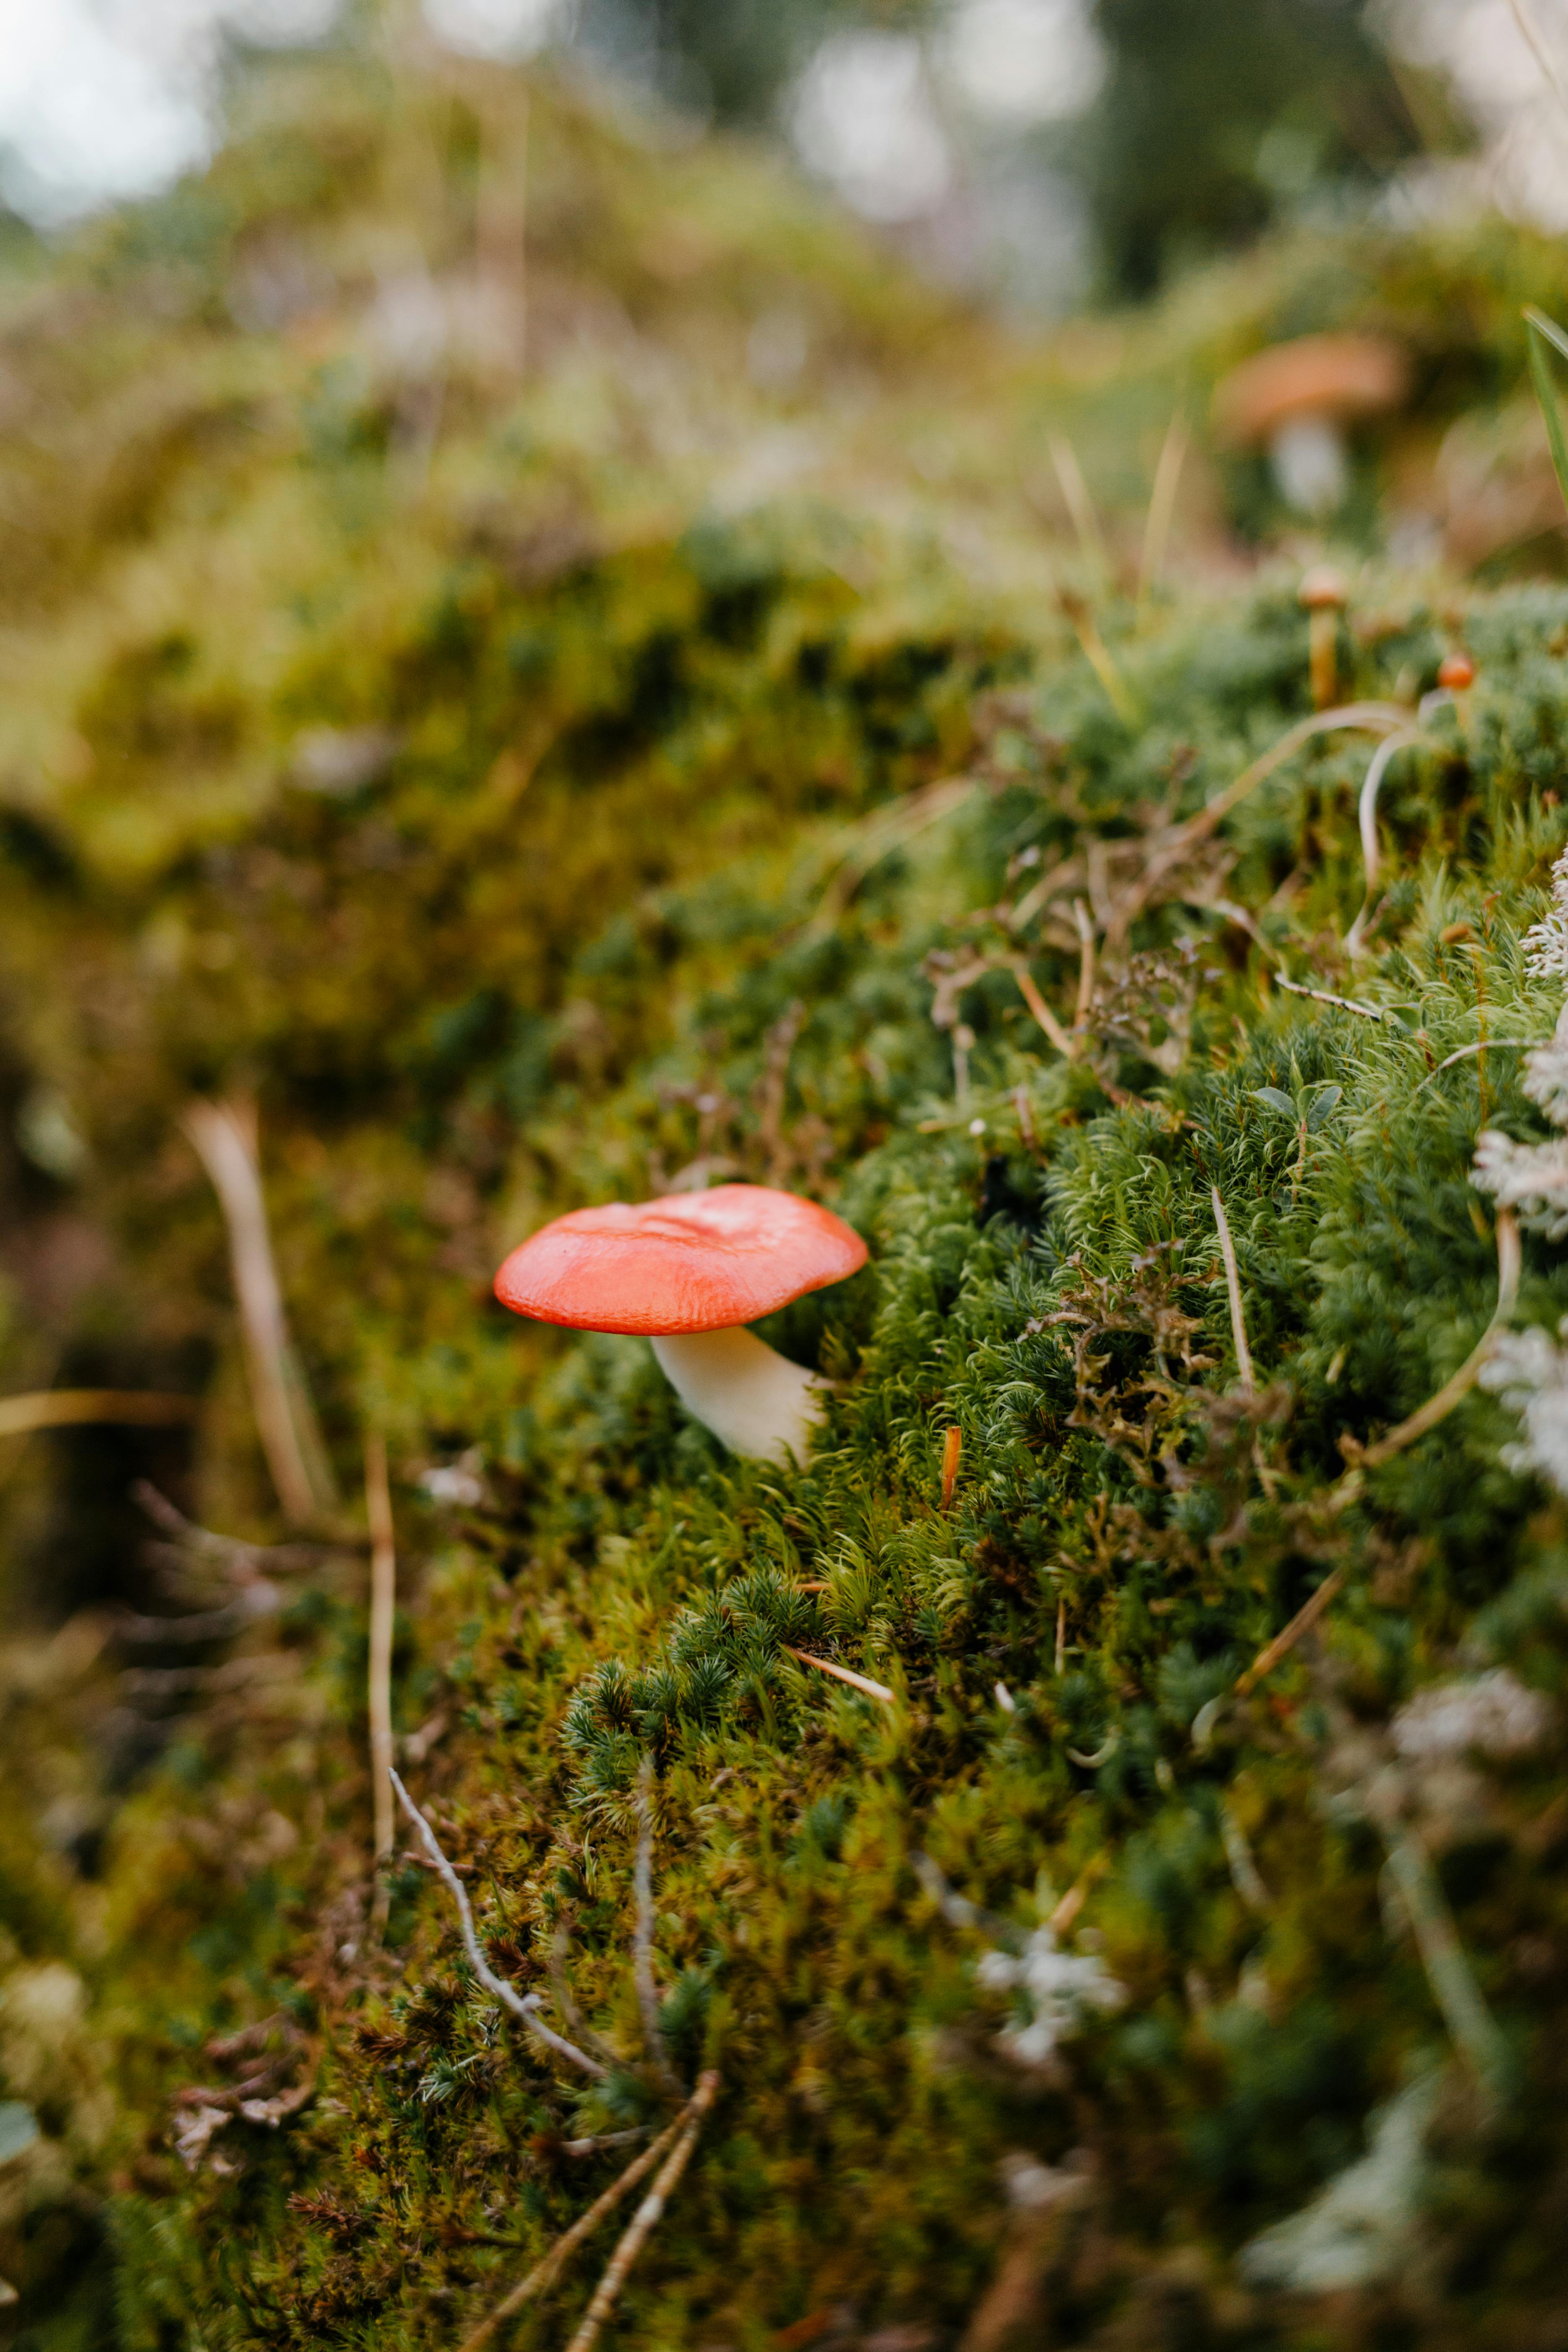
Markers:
point(383, 1602)
point(843, 1674)
point(523, 2006)
point(545, 2272)
point(76, 1408)
point(646, 2216)
point(642, 1940)
point(224, 1135)
point(1233, 1290)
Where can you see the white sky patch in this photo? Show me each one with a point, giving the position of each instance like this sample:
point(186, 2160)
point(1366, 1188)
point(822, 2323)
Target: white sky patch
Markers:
point(862, 116)
point(1023, 61)
point(102, 100)
point(508, 29)
point(1514, 81)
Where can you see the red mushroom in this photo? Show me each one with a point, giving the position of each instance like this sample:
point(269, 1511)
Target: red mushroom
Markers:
point(1297, 399)
point(688, 1272)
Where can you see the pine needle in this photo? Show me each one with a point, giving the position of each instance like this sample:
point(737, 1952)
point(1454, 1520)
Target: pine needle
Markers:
point(1546, 334)
point(1232, 1285)
point(642, 1939)
point(545, 2272)
point(1162, 507)
point(952, 1455)
point(843, 1674)
point(383, 1602)
point(646, 2216)
point(224, 1135)
point(76, 1408)
point(523, 2006)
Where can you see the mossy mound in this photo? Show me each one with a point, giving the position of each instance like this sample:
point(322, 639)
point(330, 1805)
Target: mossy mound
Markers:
point(515, 850)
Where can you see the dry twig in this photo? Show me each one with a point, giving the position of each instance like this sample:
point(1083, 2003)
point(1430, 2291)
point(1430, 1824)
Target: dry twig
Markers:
point(382, 1602)
point(523, 2006)
point(646, 2218)
point(545, 2272)
point(843, 1674)
point(642, 1940)
point(952, 1455)
point(1232, 1285)
point(73, 1408)
point(224, 1135)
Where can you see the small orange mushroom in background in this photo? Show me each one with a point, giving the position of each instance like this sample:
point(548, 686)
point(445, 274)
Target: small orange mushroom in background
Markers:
point(1296, 400)
point(1456, 673)
point(1324, 594)
point(688, 1272)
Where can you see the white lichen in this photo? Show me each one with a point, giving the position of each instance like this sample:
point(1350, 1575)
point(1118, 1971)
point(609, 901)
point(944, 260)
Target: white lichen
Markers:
point(1492, 1715)
point(1059, 1989)
point(1545, 1078)
point(1531, 1179)
point(1546, 942)
point(1529, 1372)
point(1363, 2227)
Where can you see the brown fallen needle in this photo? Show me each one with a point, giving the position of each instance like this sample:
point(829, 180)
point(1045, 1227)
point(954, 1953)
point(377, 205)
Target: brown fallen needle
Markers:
point(71, 1408)
point(224, 1137)
point(383, 1604)
point(546, 2271)
point(842, 1675)
point(645, 2220)
point(952, 1455)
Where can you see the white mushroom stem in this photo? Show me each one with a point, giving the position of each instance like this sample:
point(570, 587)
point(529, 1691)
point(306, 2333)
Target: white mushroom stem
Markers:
point(753, 1399)
point(1307, 455)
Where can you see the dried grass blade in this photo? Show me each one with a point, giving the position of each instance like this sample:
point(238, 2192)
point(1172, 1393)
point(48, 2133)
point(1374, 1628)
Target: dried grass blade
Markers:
point(843, 1674)
point(548, 2269)
point(76, 1408)
point(223, 1136)
point(646, 2218)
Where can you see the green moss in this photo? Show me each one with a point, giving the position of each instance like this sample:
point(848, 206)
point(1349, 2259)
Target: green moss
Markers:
point(530, 821)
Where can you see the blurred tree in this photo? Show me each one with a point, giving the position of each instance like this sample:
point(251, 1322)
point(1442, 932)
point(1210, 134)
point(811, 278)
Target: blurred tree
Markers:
point(1216, 115)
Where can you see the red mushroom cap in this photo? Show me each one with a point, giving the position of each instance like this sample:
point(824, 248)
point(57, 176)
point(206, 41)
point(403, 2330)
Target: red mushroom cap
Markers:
point(1455, 671)
point(690, 1262)
point(1327, 376)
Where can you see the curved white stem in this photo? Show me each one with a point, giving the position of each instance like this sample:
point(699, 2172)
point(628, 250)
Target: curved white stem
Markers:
point(754, 1401)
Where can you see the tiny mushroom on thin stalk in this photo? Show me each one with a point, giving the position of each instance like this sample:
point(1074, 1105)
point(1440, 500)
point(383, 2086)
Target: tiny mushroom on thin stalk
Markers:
point(689, 1273)
point(1324, 594)
point(1455, 676)
point(1296, 401)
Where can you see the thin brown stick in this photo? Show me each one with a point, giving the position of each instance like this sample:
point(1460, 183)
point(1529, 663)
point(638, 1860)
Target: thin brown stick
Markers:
point(1322, 997)
point(1162, 506)
point(1078, 503)
point(1437, 1408)
point(843, 1674)
point(382, 1603)
point(1232, 1285)
point(1042, 1011)
point(1085, 922)
point(522, 2006)
point(224, 1135)
point(952, 1455)
point(642, 1934)
point(1285, 1642)
point(646, 2218)
point(1372, 718)
point(548, 2269)
point(74, 1408)
point(1062, 1658)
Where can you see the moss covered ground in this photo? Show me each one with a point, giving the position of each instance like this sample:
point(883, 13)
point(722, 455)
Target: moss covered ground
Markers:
point(553, 738)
